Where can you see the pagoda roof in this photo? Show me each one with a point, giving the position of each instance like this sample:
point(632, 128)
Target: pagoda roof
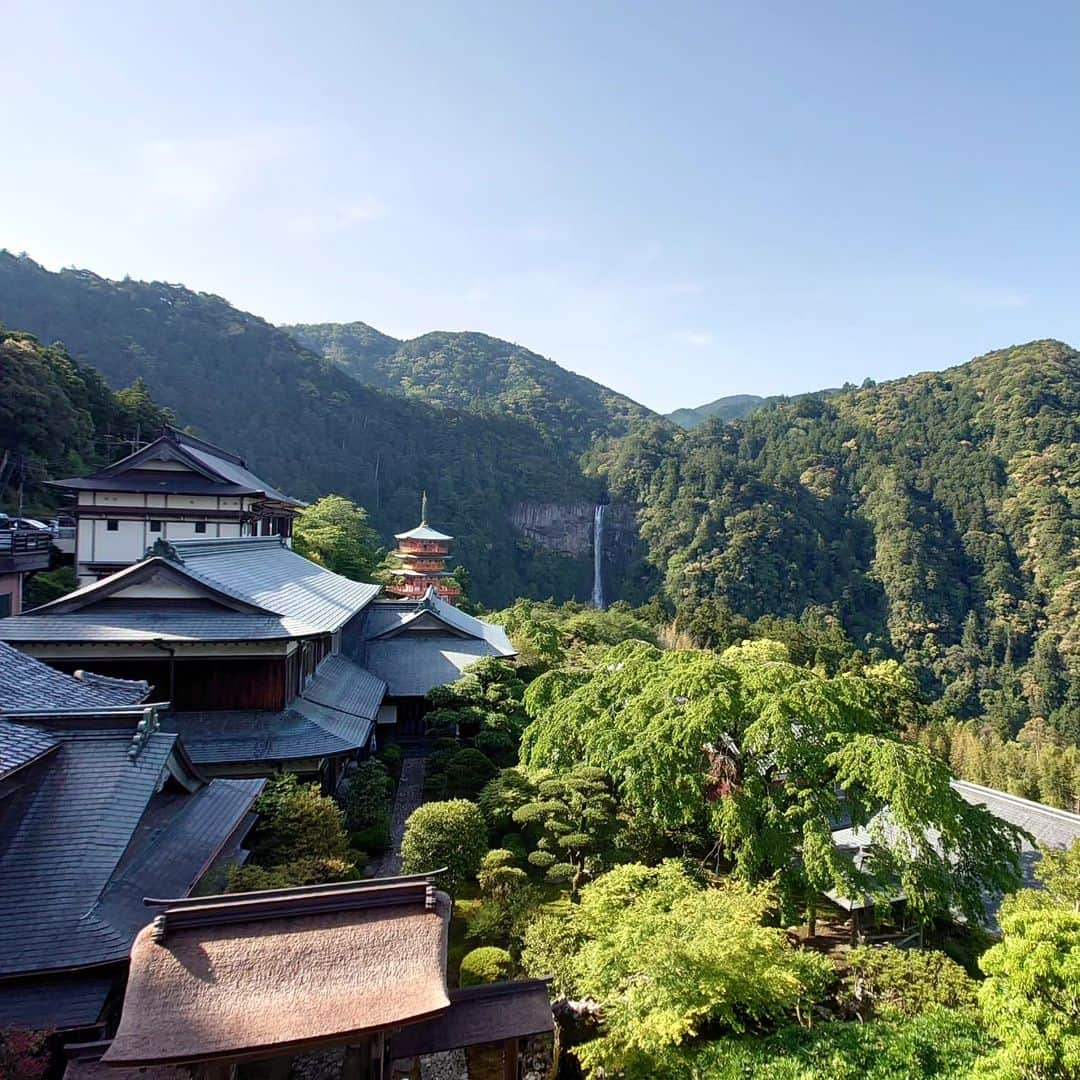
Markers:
point(423, 531)
point(226, 472)
point(220, 977)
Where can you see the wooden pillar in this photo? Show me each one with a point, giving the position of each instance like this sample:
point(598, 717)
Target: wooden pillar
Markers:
point(364, 1059)
point(510, 1059)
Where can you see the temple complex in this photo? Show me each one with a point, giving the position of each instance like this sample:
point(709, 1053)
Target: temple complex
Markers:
point(422, 553)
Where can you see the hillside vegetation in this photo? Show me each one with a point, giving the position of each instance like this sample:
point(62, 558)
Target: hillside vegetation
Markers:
point(481, 374)
point(308, 426)
point(937, 515)
point(733, 407)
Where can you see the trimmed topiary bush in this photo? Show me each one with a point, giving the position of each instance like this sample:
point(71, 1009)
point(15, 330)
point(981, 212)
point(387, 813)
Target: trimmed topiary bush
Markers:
point(450, 834)
point(510, 790)
point(375, 839)
point(391, 756)
point(487, 964)
point(467, 772)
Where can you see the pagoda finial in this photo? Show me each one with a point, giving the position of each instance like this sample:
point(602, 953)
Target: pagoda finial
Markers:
point(423, 508)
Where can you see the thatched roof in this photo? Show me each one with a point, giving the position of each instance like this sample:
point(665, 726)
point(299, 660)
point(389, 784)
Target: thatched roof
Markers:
point(256, 974)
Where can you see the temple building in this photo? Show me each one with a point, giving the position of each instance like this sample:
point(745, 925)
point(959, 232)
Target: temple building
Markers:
point(422, 553)
point(98, 808)
point(174, 488)
point(354, 971)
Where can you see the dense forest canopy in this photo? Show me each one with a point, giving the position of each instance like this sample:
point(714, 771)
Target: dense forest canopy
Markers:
point(479, 373)
point(308, 426)
point(937, 515)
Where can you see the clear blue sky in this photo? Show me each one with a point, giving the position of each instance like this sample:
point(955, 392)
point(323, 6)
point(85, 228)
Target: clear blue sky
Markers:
point(679, 200)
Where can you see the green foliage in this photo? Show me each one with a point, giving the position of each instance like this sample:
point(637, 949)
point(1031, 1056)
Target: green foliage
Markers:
point(487, 964)
point(759, 753)
point(891, 982)
point(334, 533)
point(49, 585)
point(296, 822)
point(370, 796)
point(1031, 997)
point(286, 875)
point(59, 418)
point(450, 834)
point(573, 818)
point(667, 958)
point(943, 1044)
point(1059, 872)
point(309, 427)
point(467, 772)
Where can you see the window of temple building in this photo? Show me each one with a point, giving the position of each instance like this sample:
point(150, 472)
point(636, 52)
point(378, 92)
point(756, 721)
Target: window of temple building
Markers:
point(155, 526)
point(200, 526)
point(112, 526)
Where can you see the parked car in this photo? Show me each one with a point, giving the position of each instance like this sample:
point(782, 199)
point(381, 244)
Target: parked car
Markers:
point(23, 524)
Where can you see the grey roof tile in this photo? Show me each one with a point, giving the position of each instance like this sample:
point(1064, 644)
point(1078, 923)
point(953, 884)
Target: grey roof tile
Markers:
point(118, 624)
point(28, 685)
point(20, 744)
point(341, 684)
point(266, 572)
point(59, 1003)
point(88, 834)
point(412, 664)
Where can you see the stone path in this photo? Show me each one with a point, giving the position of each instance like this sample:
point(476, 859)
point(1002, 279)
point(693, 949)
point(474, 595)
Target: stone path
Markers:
point(410, 794)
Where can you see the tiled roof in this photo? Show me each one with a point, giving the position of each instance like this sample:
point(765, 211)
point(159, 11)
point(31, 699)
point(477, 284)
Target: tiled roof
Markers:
point(304, 730)
point(422, 532)
point(412, 664)
point(345, 686)
point(20, 744)
point(393, 618)
point(58, 1003)
point(235, 473)
point(28, 685)
point(267, 573)
point(1050, 827)
point(139, 624)
point(89, 835)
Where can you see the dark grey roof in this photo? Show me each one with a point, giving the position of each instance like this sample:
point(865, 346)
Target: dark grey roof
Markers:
point(89, 834)
point(412, 664)
point(346, 687)
point(304, 730)
point(228, 469)
point(394, 618)
point(121, 624)
point(20, 744)
point(266, 572)
point(480, 1014)
point(422, 531)
point(1050, 827)
point(144, 480)
point(60, 1002)
point(28, 685)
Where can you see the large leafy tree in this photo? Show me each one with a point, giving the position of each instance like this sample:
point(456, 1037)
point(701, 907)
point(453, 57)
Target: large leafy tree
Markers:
point(1031, 997)
point(765, 756)
point(334, 533)
point(666, 957)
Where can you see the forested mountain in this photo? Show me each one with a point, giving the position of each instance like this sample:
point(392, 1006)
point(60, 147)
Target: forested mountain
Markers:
point(307, 425)
point(733, 407)
point(59, 418)
point(938, 515)
point(479, 373)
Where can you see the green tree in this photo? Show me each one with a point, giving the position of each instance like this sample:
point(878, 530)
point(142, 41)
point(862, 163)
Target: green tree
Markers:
point(574, 820)
point(1031, 997)
point(902, 982)
point(447, 834)
point(667, 958)
point(488, 964)
point(334, 533)
point(763, 755)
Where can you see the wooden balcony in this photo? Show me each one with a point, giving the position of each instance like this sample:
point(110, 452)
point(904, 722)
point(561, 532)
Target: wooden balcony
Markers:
point(24, 550)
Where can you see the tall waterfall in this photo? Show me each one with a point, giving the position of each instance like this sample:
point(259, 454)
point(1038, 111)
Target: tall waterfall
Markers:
point(598, 558)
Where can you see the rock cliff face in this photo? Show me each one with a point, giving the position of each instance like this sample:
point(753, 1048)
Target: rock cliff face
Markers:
point(566, 529)
point(561, 528)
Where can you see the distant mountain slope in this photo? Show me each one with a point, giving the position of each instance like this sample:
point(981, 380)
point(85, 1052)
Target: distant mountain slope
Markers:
point(733, 407)
point(481, 374)
point(308, 426)
point(938, 515)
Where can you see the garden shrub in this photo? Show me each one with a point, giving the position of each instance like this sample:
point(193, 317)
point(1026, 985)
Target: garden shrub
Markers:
point(487, 964)
point(391, 756)
point(370, 797)
point(515, 844)
point(510, 790)
point(500, 746)
point(467, 772)
point(296, 822)
point(887, 981)
point(436, 787)
point(450, 834)
point(254, 878)
point(375, 839)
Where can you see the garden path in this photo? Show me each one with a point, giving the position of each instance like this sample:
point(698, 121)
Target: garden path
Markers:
point(410, 794)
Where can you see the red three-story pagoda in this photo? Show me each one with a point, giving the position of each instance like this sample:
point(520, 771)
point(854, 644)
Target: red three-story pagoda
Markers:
point(422, 553)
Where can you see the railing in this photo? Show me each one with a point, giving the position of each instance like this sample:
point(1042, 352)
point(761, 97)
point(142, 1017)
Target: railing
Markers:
point(24, 541)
